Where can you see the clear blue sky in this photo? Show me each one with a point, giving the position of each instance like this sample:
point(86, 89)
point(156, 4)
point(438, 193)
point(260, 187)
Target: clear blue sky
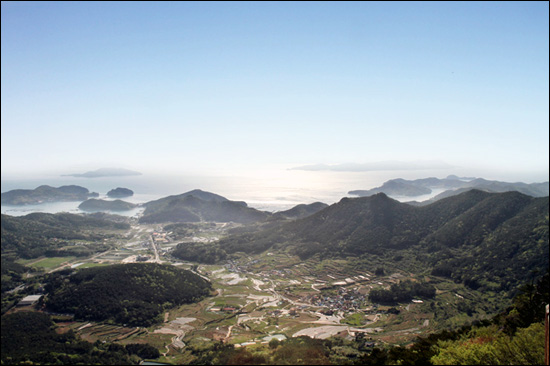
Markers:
point(212, 86)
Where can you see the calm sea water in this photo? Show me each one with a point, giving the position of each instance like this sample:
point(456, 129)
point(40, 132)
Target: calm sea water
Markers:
point(268, 190)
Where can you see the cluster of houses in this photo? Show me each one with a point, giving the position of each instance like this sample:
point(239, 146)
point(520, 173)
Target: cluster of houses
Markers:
point(223, 309)
point(159, 237)
point(345, 300)
point(232, 266)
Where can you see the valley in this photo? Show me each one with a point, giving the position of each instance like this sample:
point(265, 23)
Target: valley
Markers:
point(273, 294)
point(363, 274)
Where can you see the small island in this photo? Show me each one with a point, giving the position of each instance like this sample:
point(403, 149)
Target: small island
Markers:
point(94, 205)
point(120, 193)
point(105, 172)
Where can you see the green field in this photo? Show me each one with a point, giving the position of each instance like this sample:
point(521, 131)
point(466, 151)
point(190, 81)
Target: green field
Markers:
point(53, 262)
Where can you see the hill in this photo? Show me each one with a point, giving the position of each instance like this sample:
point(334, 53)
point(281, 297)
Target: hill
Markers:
point(93, 205)
point(30, 338)
point(453, 185)
point(486, 240)
point(46, 193)
point(197, 206)
point(120, 193)
point(139, 295)
point(301, 211)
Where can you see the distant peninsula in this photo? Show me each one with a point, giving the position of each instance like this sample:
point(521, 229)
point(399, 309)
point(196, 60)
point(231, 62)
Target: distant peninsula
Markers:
point(94, 205)
point(44, 194)
point(105, 172)
point(120, 193)
point(452, 185)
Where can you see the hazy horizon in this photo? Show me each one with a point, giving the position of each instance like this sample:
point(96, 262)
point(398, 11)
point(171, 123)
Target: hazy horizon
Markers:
point(253, 90)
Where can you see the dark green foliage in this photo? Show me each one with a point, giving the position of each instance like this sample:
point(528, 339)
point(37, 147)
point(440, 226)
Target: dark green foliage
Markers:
point(30, 337)
point(302, 351)
point(274, 343)
point(12, 274)
point(134, 294)
point(404, 291)
point(144, 351)
point(528, 305)
point(199, 252)
point(33, 235)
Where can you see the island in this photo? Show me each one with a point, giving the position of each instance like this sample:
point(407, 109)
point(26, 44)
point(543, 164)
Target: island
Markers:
point(105, 172)
point(93, 205)
point(46, 194)
point(120, 193)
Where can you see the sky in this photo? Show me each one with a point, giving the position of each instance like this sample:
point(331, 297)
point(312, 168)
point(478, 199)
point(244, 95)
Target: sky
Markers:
point(207, 87)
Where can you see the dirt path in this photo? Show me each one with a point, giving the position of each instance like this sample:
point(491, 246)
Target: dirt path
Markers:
point(228, 334)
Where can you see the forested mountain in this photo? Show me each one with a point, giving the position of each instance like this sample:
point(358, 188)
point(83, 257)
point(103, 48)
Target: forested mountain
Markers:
point(35, 234)
point(46, 194)
point(104, 205)
point(453, 185)
point(196, 206)
point(489, 240)
point(137, 297)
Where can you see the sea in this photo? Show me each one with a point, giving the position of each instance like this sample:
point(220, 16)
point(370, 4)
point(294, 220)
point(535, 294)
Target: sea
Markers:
point(270, 191)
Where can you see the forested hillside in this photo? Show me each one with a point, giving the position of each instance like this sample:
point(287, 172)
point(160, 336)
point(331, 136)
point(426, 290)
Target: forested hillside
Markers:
point(30, 338)
point(134, 294)
point(37, 234)
point(486, 240)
